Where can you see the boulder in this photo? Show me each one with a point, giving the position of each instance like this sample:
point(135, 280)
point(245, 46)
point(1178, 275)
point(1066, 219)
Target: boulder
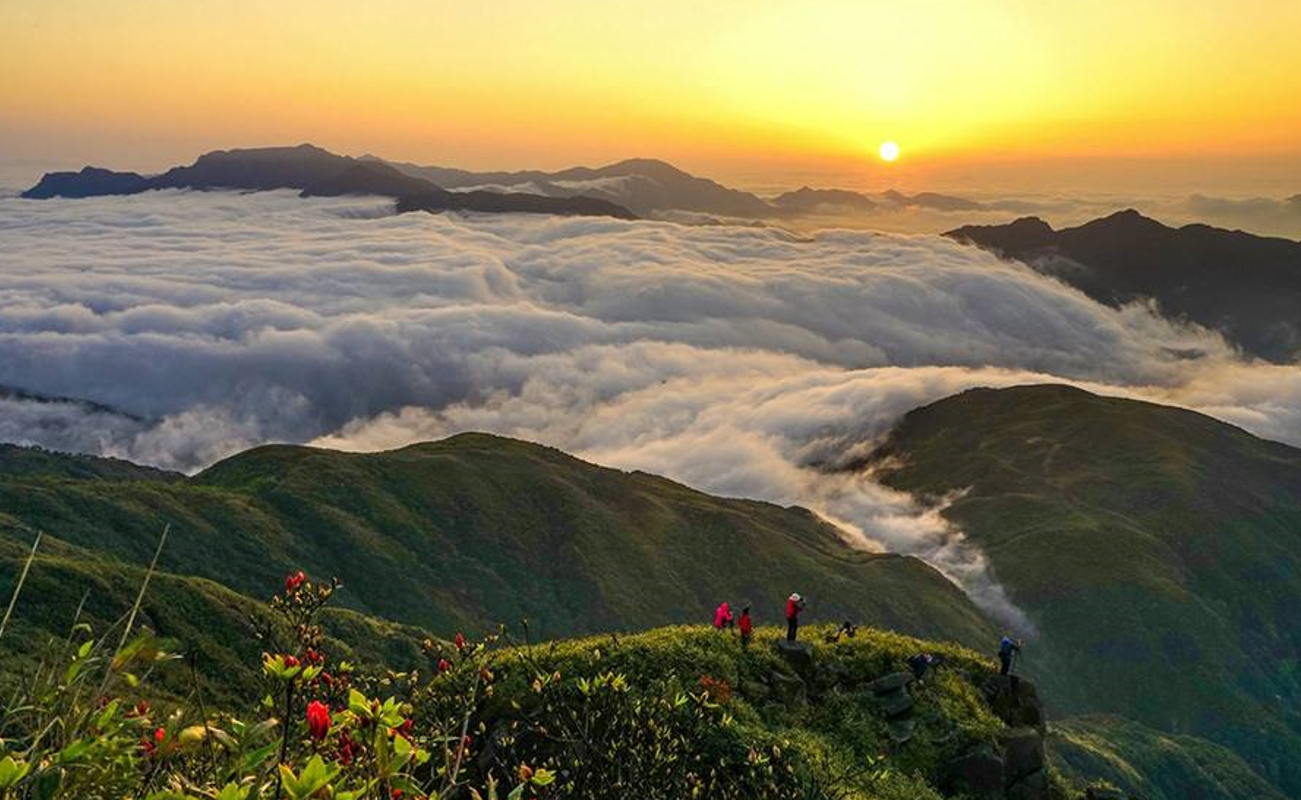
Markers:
point(889, 683)
point(789, 689)
point(1034, 786)
point(901, 730)
point(1015, 701)
point(754, 690)
point(978, 772)
point(798, 654)
point(894, 704)
point(1023, 753)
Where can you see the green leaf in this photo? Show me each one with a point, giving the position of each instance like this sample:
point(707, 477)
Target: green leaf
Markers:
point(310, 781)
point(232, 791)
point(11, 771)
point(48, 784)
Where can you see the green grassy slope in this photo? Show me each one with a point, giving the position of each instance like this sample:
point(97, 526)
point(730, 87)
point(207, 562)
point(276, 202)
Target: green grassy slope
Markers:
point(194, 616)
point(476, 530)
point(1158, 551)
point(833, 726)
point(1153, 765)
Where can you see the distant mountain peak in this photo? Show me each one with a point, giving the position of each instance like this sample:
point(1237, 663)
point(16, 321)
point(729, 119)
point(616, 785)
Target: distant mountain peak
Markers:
point(1247, 287)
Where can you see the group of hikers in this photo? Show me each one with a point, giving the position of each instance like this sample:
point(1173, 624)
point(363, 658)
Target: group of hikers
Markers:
point(920, 664)
point(724, 620)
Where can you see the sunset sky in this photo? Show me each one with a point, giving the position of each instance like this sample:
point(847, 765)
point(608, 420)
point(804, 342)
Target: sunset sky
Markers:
point(999, 91)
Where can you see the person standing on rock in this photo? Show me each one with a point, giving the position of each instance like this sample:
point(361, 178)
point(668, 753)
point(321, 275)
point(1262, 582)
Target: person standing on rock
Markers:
point(746, 626)
point(1007, 648)
point(723, 616)
point(794, 605)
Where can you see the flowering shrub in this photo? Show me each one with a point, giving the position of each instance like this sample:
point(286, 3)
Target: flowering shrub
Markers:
point(326, 730)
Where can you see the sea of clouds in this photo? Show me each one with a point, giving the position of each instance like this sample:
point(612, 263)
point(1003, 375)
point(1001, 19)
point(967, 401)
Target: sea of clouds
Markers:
point(175, 328)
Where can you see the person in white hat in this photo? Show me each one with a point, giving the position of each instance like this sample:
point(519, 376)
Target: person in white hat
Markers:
point(794, 605)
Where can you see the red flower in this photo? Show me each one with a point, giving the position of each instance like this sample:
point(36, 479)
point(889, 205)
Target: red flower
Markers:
point(460, 640)
point(160, 735)
point(444, 665)
point(403, 730)
point(291, 661)
point(314, 656)
point(294, 581)
point(318, 719)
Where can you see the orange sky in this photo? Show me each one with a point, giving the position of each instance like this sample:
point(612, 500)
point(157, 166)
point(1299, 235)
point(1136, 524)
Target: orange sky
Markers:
point(972, 91)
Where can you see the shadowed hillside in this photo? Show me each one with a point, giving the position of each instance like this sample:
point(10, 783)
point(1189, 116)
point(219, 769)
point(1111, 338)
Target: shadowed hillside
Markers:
point(1157, 550)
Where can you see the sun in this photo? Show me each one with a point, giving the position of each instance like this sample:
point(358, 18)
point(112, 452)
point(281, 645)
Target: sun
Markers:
point(889, 151)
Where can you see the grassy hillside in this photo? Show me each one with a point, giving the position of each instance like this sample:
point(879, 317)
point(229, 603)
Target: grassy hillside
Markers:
point(1153, 765)
point(199, 618)
point(1157, 550)
point(477, 530)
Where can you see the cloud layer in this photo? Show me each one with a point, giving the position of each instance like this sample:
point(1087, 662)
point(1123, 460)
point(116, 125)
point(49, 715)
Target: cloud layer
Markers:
point(738, 360)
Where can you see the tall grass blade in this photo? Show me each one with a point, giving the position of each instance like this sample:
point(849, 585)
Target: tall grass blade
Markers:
point(135, 609)
point(18, 587)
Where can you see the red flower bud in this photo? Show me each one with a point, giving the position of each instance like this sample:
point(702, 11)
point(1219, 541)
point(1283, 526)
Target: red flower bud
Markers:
point(294, 581)
point(160, 735)
point(444, 665)
point(291, 661)
point(318, 719)
point(460, 641)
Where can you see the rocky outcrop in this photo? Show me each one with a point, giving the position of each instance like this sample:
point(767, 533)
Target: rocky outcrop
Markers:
point(1019, 769)
point(798, 654)
point(1015, 701)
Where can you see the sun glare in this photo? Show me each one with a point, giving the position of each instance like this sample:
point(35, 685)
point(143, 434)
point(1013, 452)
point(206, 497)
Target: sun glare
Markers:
point(889, 151)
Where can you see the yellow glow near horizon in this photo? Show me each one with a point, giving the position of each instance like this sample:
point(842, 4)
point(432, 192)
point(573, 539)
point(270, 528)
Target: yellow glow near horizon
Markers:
point(750, 83)
point(889, 151)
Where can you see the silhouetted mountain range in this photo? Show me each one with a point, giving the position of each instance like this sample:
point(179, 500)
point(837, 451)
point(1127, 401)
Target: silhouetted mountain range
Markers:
point(629, 188)
point(1247, 287)
point(644, 185)
point(315, 172)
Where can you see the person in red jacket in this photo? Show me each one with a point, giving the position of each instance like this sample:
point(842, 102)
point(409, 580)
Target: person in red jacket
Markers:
point(723, 616)
point(794, 605)
point(746, 626)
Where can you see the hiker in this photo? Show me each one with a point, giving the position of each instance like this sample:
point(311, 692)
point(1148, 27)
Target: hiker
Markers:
point(846, 628)
point(746, 626)
point(921, 664)
point(1007, 648)
point(723, 616)
point(794, 605)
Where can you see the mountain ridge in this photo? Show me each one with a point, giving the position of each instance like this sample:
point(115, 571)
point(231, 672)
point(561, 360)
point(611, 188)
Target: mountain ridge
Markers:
point(1247, 287)
point(1157, 550)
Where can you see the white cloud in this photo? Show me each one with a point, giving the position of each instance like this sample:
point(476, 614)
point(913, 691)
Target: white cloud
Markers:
point(738, 360)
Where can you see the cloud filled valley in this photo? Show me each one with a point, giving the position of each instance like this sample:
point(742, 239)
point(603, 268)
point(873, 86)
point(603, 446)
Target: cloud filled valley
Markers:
point(175, 328)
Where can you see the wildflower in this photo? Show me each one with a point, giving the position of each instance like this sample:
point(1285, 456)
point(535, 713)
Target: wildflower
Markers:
point(318, 719)
point(444, 665)
point(460, 641)
point(294, 581)
point(291, 661)
point(404, 730)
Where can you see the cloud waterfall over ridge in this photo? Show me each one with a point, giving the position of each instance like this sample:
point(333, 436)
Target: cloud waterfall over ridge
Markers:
point(741, 361)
